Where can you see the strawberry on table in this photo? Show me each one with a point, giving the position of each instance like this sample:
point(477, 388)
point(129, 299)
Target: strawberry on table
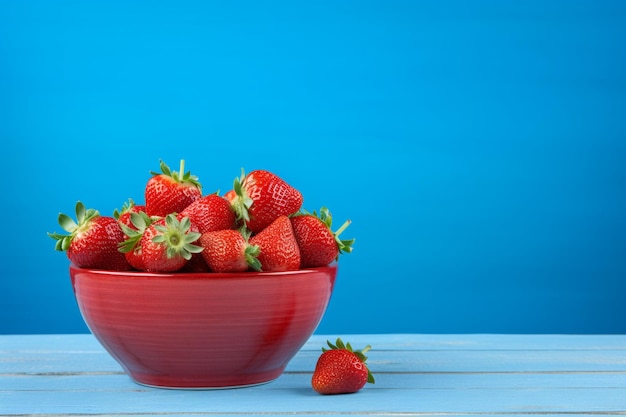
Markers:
point(261, 197)
point(92, 241)
point(319, 245)
point(210, 213)
point(168, 243)
point(341, 370)
point(278, 246)
point(229, 251)
point(170, 191)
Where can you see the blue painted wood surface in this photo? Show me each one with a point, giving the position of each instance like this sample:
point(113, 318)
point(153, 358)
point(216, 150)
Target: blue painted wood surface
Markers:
point(416, 375)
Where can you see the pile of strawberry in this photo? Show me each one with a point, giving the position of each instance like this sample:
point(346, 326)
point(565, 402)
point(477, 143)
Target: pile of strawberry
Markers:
point(258, 225)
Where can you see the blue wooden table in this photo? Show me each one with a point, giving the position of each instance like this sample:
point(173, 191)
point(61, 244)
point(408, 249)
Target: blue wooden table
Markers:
point(57, 375)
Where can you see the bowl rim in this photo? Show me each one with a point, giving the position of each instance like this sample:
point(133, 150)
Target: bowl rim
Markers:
point(203, 275)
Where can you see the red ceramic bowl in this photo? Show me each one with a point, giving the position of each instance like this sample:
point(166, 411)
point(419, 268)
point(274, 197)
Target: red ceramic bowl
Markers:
point(203, 330)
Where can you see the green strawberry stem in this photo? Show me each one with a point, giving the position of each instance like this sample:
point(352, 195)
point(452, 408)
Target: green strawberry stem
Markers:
point(345, 245)
point(177, 237)
point(181, 176)
point(126, 207)
point(343, 227)
point(242, 202)
point(252, 251)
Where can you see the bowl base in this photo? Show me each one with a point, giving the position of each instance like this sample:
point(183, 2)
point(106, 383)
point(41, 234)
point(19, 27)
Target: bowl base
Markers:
point(208, 388)
point(204, 383)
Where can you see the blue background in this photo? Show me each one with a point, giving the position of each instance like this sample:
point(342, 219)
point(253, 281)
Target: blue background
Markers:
point(477, 146)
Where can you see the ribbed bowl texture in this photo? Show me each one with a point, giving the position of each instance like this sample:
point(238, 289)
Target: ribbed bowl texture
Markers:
point(203, 330)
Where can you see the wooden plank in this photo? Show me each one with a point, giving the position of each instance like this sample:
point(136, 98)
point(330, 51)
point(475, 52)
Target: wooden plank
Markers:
point(300, 399)
point(403, 342)
point(385, 380)
point(50, 362)
point(484, 361)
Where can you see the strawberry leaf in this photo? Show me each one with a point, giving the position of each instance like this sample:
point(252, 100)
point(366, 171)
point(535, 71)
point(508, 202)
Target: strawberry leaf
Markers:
point(242, 202)
point(176, 236)
point(83, 219)
point(180, 176)
point(125, 209)
point(141, 221)
point(67, 223)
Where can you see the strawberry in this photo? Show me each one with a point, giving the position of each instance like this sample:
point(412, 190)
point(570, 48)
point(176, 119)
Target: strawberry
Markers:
point(171, 192)
point(341, 370)
point(261, 197)
point(167, 244)
point(230, 195)
point(134, 258)
point(319, 245)
point(129, 207)
point(210, 213)
point(92, 241)
point(138, 223)
point(278, 246)
point(229, 251)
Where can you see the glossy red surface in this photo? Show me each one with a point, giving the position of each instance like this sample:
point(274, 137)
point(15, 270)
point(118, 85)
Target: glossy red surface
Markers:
point(203, 330)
